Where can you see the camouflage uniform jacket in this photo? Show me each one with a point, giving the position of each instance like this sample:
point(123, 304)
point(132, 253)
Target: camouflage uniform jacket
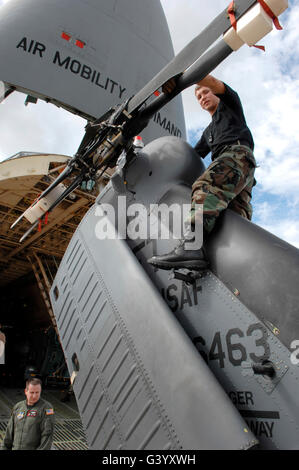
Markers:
point(30, 427)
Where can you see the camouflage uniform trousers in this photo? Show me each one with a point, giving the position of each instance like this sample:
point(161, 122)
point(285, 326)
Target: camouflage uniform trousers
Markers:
point(227, 182)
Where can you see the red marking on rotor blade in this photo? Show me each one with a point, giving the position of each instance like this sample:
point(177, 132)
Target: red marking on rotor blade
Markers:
point(80, 44)
point(65, 36)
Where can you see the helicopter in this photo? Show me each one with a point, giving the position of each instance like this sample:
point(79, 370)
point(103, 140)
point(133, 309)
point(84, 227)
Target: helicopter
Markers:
point(181, 361)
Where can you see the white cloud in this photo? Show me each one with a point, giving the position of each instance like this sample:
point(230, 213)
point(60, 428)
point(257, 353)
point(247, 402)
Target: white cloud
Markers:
point(278, 217)
point(286, 229)
point(37, 127)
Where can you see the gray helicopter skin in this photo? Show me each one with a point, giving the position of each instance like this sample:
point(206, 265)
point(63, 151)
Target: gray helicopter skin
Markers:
point(137, 374)
point(143, 340)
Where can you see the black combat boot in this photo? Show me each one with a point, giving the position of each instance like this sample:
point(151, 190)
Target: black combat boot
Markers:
point(181, 258)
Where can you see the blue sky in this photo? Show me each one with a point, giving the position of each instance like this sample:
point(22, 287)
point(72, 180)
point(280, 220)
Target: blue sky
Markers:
point(267, 83)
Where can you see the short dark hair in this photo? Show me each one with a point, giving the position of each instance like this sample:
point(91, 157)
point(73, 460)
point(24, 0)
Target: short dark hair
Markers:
point(33, 381)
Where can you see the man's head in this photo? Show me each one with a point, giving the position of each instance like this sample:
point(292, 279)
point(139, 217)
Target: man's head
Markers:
point(206, 98)
point(33, 390)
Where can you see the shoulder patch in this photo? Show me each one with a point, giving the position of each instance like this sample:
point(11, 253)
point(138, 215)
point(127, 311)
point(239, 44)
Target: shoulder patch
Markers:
point(49, 411)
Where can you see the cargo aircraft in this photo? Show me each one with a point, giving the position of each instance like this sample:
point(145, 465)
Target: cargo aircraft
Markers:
point(159, 361)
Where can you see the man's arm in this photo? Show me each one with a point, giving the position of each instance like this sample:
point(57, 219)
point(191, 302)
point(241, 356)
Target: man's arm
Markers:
point(8, 439)
point(47, 429)
point(216, 86)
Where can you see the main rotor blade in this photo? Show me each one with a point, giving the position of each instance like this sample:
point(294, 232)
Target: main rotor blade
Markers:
point(202, 67)
point(190, 53)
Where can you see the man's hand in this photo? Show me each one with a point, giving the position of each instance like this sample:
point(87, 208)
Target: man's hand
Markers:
point(216, 86)
point(169, 86)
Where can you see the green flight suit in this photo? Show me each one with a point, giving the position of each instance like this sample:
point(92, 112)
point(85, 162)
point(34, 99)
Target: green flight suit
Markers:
point(30, 427)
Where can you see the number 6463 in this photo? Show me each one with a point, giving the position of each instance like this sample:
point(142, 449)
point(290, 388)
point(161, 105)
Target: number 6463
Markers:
point(236, 351)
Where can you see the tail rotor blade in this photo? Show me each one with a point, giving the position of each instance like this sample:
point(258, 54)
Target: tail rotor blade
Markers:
point(68, 190)
point(64, 174)
point(29, 231)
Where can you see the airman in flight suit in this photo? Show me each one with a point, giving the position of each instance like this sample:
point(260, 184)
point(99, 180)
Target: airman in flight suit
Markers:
point(31, 425)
